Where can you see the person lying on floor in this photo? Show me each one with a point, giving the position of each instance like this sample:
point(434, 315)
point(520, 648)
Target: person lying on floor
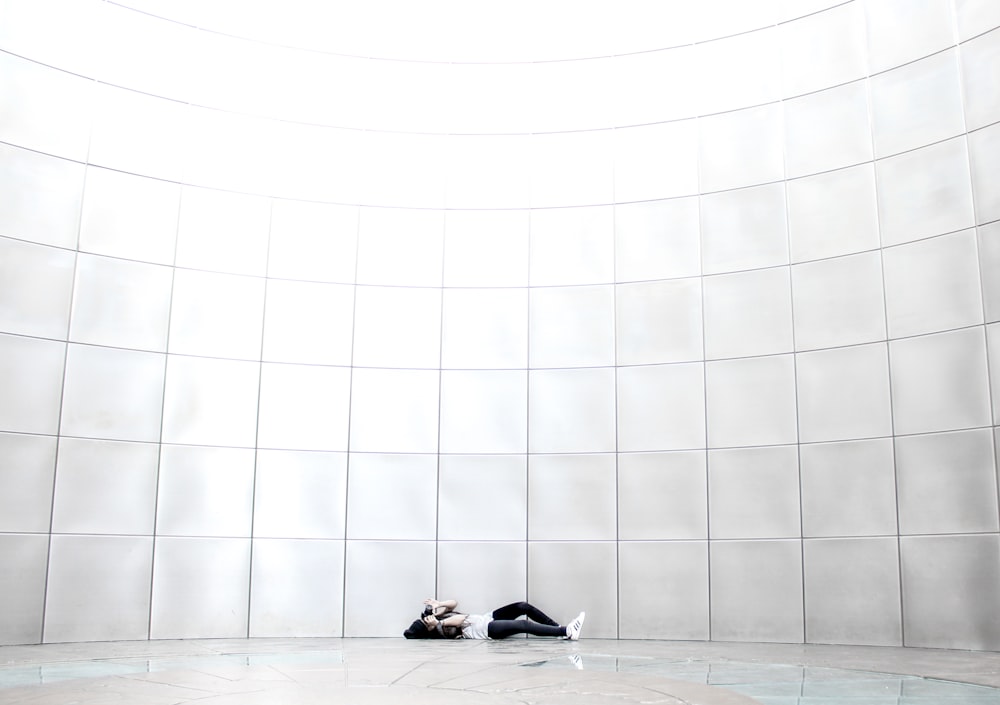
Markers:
point(440, 621)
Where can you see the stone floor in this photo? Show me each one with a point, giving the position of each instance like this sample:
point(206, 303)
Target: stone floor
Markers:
point(515, 671)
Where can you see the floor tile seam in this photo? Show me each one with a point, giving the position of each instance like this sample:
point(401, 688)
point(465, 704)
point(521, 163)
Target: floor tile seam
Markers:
point(980, 662)
point(875, 672)
point(443, 684)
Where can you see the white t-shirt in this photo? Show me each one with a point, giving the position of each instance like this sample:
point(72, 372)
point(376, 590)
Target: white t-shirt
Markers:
point(476, 626)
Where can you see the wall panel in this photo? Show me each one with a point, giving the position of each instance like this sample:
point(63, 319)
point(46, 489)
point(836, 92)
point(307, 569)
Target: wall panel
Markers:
point(689, 325)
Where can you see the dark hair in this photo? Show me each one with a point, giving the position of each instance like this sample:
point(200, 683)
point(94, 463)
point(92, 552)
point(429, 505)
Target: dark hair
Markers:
point(418, 630)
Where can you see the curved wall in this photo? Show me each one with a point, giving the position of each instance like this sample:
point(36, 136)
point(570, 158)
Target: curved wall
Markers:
point(696, 339)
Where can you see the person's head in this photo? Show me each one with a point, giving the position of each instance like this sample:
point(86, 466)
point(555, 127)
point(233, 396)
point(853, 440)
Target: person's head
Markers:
point(417, 630)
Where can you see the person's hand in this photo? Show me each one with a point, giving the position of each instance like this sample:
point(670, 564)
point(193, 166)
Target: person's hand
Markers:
point(432, 602)
point(430, 621)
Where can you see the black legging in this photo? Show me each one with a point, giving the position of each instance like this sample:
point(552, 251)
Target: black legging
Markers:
point(506, 623)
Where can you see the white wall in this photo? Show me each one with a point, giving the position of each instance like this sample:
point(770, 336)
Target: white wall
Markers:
point(698, 340)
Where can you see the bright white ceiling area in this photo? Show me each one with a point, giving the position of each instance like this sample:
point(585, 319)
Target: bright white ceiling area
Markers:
point(480, 31)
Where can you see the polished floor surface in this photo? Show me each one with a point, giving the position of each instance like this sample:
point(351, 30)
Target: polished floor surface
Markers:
point(536, 671)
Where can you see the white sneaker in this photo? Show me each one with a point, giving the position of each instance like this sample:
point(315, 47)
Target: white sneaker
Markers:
point(574, 627)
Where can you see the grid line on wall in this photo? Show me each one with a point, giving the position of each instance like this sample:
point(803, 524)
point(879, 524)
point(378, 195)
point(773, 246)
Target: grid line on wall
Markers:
point(978, 249)
point(870, 114)
point(163, 407)
point(444, 133)
point(527, 415)
point(704, 382)
point(824, 348)
point(795, 387)
point(588, 57)
point(62, 400)
point(256, 454)
point(440, 407)
point(350, 415)
point(617, 398)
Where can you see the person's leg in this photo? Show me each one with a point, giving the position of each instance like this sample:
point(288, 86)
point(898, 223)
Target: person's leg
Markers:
point(519, 609)
point(503, 628)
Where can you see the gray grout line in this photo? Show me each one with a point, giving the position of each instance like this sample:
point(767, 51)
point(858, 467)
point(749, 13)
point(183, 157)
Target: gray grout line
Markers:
point(348, 452)
point(888, 355)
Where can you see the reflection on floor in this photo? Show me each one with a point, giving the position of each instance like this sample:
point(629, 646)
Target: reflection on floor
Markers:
point(542, 671)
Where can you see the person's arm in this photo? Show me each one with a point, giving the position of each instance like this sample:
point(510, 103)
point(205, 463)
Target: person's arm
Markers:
point(437, 605)
point(452, 620)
